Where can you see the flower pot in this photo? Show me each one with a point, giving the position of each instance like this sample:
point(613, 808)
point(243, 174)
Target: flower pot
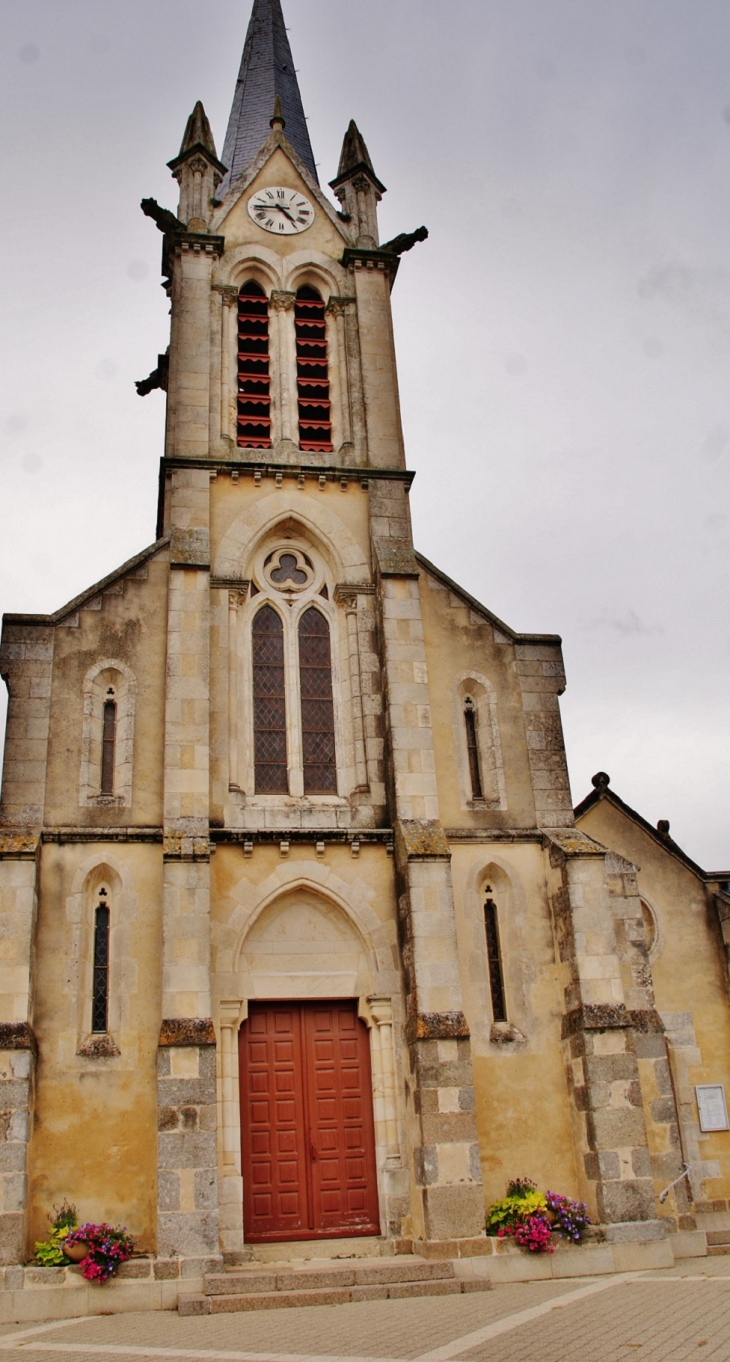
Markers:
point(551, 1217)
point(75, 1252)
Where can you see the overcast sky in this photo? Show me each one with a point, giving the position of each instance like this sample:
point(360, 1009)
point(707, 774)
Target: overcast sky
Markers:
point(563, 336)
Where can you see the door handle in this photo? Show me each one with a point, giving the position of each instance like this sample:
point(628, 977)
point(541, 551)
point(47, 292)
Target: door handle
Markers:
point(312, 1151)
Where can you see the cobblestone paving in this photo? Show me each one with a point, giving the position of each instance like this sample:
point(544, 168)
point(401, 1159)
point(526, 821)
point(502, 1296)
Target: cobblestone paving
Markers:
point(682, 1315)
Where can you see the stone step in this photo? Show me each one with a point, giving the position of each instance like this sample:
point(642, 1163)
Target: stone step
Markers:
point(717, 1238)
point(363, 1272)
point(717, 1250)
point(341, 1295)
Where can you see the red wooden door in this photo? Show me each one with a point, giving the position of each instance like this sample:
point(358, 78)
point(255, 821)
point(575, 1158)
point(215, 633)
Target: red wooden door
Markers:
point(307, 1135)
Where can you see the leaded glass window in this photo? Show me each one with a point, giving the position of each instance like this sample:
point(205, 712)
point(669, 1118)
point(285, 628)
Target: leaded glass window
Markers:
point(269, 703)
point(100, 985)
point(318, 720)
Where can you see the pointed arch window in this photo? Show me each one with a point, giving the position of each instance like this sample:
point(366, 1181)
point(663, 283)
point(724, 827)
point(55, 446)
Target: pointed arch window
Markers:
point(269, 703)
point(494, 960)
point(100, 984)
point(108, 745)
point(472, 748)
point(318, 720)
point(254, 378)
point(313, 388)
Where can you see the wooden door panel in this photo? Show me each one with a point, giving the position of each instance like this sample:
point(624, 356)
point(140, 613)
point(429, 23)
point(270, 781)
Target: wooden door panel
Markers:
point(344, 1188)
point(307, 1133)
point(273, 1140)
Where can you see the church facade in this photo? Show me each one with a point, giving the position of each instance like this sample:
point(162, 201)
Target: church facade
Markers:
point(300, 937)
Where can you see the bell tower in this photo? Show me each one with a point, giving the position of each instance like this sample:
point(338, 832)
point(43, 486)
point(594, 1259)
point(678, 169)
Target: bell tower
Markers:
point(284, 455)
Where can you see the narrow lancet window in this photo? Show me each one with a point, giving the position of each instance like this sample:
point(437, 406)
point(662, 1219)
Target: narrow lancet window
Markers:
point(254, 382)
point(318, 720)
point(313, 387)
point(108, 747)
point(269, 703)
point(472, 747)
point(100, 986)
point(494, 959)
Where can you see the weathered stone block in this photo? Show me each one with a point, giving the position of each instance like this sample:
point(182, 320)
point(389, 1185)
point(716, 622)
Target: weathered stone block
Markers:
point(178, 1092)
point(663, 1110)
point(193, 1149)
point(626, 1200)
point(166, 1269)
point(455, 1212)
point(616, 1128)
point(12, 1238)
point(206, 1189)
point(191, 1235)
point(604, 1165)
point(168, 1190)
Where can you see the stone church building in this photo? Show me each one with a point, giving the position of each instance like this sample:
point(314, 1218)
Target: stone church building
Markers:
point(300, 939)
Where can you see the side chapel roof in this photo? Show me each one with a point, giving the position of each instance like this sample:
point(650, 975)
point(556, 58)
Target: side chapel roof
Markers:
point(660, 834)
point(267, 71)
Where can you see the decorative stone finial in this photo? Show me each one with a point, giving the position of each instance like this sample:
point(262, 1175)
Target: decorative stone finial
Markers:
point(277, 120)
point(662, 827)
point(601, 780)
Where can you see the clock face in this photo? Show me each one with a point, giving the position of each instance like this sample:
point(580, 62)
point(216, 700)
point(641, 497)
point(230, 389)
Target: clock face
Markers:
point(281, 211)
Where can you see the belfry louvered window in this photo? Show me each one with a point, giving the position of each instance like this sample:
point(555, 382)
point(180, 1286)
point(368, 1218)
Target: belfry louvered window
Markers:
point(269, 703)
point(313, 387)
point(494, 961)
point(318, 720)
point(254, 380)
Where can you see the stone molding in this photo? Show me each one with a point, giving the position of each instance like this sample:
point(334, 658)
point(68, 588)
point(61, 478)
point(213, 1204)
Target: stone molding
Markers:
point(178, 1031)
point(610, 1017)
point(18, 1036)
point(394, 559)
point(436, 1026)
point(18, 846)
point(423, 839)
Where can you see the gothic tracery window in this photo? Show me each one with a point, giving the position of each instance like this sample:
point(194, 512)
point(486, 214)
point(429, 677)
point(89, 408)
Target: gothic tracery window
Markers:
point(254, 380)
point(269, 703)
point(318, 720)
point(313, 388)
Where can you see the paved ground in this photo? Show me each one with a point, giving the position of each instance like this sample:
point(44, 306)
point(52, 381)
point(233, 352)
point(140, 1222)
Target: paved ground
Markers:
point(681, 1315)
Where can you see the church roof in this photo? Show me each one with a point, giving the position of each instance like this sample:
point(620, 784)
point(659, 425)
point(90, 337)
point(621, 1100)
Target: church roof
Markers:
point(267, 70)
point(660, 834)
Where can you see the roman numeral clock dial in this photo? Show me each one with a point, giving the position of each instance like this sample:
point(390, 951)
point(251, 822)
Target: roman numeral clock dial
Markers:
point(281, 211)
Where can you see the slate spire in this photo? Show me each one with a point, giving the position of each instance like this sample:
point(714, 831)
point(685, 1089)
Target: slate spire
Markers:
point(267, 72)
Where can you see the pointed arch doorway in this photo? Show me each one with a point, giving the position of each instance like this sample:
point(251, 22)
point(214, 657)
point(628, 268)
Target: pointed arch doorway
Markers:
point(307, 1130)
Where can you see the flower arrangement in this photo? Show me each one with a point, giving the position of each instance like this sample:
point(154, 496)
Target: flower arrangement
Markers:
point(528, 1216)
point(107, 1246)
point(570, 1218)
point(49, 1252)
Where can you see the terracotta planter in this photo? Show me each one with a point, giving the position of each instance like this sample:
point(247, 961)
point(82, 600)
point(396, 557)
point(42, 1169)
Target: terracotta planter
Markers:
point(75, 1252)
point(551, 1217)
